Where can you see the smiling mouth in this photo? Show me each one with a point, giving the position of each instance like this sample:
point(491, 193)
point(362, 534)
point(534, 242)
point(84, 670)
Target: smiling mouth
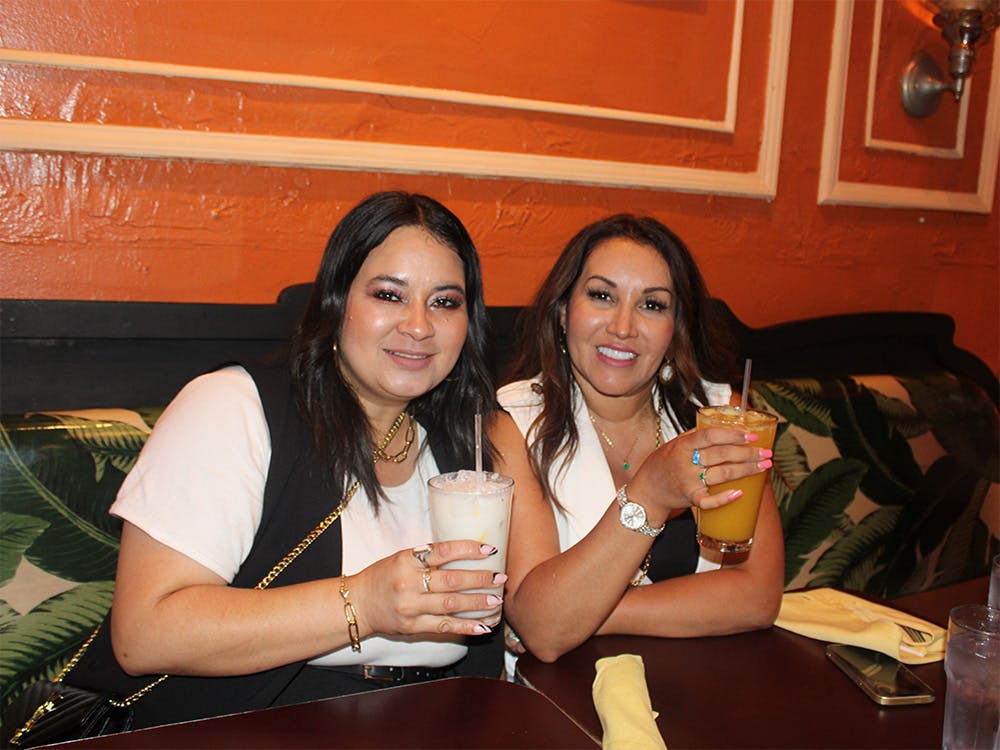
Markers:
point(408, 355)
point(616, 354)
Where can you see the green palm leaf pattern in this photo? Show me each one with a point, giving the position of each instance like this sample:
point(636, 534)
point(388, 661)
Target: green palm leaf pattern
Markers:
point(791, 466)
point(962, 418)
point(853, 559)
point(115, 443)
point(17, 533)
point(816, 504)
point(79, 549)
point(917, 529)
point(36, 645)
point(901, 416)
point(798, 401)
point(862, 432)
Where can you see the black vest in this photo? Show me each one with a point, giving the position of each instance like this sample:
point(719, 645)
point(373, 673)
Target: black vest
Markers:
point(297, 496)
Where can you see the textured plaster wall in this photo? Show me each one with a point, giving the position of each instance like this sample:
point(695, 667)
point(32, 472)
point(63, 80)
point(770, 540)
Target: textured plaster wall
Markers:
point(111, 228)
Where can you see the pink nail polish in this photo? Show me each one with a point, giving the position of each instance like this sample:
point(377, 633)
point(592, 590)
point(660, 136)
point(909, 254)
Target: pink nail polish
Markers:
point(766, 464)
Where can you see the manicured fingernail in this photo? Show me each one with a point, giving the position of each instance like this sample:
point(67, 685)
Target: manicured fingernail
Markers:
point(765, 453)
point(499, 578)
point(492, 600)
point(751, 437)
point(765, 464)
point(487, 549)
point(482, 629)
point(733, 494)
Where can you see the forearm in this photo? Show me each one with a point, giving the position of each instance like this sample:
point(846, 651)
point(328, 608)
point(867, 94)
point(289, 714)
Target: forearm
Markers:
point(564, 600)
point(735, 598)
point(717, 602)
point(212, 630)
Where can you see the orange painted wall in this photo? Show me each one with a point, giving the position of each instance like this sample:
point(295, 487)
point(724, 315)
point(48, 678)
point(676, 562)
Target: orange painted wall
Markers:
point(76, 226)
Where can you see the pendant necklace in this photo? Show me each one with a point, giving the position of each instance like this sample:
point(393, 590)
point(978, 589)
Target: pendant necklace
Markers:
point(626, 465)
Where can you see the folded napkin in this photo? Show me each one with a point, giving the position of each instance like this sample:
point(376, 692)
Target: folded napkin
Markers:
point(837, 617)
point(622, 702)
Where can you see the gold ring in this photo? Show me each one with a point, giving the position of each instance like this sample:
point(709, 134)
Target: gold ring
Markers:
point(422, 553)
point(425, 579)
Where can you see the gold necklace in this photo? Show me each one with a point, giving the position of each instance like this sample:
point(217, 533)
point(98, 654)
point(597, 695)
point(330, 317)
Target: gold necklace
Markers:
point(644, 568)
point(400, 455)
point(626, 465)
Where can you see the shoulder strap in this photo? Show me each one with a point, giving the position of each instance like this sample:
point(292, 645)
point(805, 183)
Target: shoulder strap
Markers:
point(280, 566)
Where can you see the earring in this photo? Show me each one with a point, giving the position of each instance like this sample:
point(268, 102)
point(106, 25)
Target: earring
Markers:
point(666, 372)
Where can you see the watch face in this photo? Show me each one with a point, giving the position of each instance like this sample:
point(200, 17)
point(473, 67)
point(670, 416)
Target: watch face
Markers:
point(632, 515)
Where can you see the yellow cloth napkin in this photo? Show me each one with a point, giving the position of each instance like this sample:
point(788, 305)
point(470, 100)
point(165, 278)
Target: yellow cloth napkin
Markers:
point(622, 702)
point(838, 617)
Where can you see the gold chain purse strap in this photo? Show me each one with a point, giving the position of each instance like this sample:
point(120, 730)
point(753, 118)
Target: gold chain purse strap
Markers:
point(266, 581)
point(297, 550)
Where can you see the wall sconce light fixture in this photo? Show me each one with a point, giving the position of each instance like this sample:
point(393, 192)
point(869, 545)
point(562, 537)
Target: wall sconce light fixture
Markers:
point(964, 24)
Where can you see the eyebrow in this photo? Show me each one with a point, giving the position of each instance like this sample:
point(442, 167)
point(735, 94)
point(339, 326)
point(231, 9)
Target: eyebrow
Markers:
point(647, 290)
point(387, 278)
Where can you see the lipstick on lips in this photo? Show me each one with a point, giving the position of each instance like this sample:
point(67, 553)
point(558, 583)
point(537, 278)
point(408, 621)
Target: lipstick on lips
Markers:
point(616, 356)
point(409, 359)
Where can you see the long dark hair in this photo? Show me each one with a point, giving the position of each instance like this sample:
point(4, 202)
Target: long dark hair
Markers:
point(698, 349)
point(340, 427)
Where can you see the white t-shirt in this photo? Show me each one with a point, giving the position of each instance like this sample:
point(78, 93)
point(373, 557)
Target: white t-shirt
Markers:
point(198, 488)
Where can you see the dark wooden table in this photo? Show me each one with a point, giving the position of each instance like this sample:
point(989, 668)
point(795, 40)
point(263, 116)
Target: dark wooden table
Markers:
point(765, 689)
point(461, 712)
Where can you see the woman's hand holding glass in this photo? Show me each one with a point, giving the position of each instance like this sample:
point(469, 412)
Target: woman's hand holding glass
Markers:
point(676, 475)
point(407, 593)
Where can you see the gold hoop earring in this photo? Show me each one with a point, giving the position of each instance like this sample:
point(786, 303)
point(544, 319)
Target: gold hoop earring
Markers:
point(666, 374)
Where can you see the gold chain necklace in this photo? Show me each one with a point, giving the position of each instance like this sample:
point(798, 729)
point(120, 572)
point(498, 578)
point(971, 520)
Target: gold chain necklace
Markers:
point(626, 464)
point(400, 455)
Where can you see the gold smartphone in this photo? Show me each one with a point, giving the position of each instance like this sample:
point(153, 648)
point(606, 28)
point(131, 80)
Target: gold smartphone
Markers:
point(884, 680)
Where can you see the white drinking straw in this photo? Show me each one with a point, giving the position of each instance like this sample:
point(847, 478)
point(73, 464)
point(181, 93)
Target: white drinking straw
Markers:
point(479, 446)
point(746, 384)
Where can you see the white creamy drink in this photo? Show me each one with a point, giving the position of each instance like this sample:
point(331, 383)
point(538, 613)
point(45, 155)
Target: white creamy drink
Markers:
point(468, 505)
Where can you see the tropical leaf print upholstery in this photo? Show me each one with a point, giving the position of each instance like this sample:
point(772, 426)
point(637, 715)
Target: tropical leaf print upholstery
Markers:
point(59, 473)
point(885, 484)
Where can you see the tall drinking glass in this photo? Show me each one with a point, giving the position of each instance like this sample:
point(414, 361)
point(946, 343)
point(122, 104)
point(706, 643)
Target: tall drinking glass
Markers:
point(730, 528)
point(972, 666)
point(472, 505)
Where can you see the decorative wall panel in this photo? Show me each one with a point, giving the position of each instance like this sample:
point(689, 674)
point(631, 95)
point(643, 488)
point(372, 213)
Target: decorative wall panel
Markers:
point(709, 124)
point(874, 154)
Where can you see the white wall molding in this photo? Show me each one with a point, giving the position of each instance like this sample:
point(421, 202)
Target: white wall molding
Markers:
point(146, 142)
point(833, 190)
point(329, 153)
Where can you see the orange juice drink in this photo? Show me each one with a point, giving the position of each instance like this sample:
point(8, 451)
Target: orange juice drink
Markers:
point(730, 528)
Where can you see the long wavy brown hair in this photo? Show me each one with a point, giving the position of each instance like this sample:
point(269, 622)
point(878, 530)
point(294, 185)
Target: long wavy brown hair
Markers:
point(700, 347)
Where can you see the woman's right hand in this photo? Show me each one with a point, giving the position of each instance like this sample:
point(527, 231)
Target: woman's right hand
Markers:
point(390, 595)
point(672, 478)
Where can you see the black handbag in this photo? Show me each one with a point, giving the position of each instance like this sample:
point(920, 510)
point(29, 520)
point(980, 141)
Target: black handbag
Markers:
point(48, 712)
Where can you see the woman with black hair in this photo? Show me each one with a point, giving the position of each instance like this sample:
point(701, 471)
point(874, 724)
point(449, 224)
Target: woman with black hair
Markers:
point(619, 354)
point(319, 457)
